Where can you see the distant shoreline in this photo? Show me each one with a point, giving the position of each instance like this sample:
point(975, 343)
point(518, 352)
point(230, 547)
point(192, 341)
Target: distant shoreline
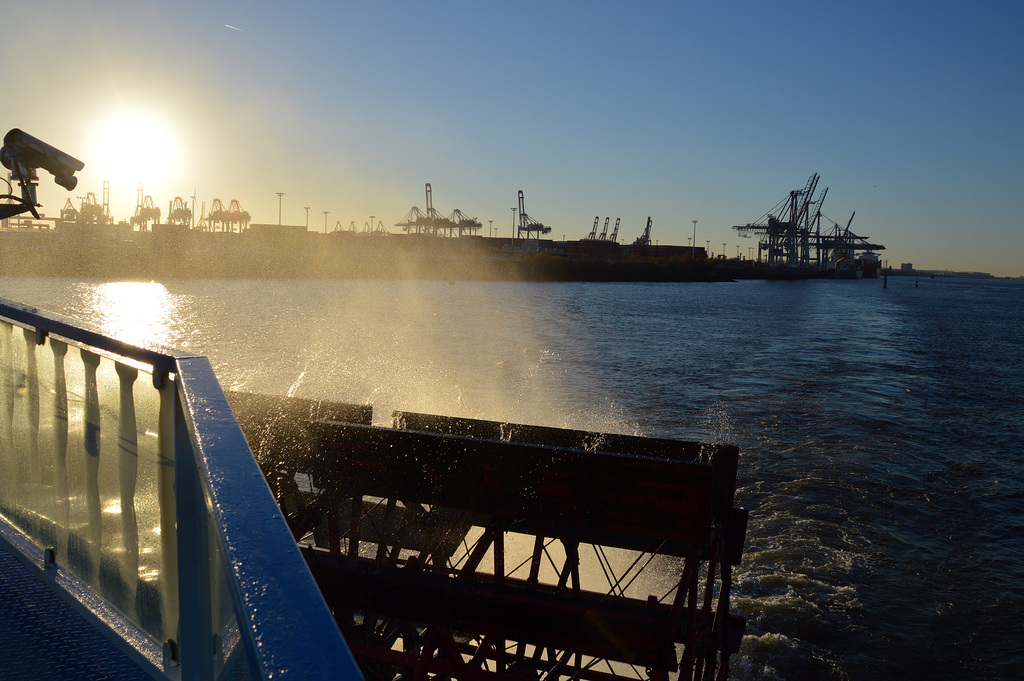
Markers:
point(192, 254)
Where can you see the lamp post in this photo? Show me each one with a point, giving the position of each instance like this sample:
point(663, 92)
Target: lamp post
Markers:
point(325, 220)
point(707, 251)
point(514, 225)
point(307, 217)
point(490, 229)
point(723, 249)
point(693, 252)
point(279, 195)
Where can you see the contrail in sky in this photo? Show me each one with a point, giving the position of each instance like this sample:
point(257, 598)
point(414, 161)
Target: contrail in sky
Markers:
point(234, 28)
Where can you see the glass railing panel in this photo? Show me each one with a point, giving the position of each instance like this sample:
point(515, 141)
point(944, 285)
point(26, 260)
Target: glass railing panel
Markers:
point(229, 655)
point(106, 468)
point(81, 466)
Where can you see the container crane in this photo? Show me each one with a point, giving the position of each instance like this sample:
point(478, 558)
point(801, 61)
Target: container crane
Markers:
point(236, 216)
point(463, 223)
point(615, 232)
point(179, 213)
point(145, 210)
point(785, 228)
point(604, 232)
point(218, 216)
point(426, 222)
point(645, 238)
point(527, 224)
point(593, 232)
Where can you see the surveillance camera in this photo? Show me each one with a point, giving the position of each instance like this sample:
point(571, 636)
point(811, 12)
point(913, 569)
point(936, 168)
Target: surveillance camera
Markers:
point(24, 150)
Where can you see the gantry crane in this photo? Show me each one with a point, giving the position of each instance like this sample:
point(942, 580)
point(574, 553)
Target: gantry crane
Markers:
point(527, 224)
point(462, 223)
point(179, 213)
point(645, 238)
point(615, 232)
point(145, 210)
point(785, 229)
point(791, 229)
point(432, 222)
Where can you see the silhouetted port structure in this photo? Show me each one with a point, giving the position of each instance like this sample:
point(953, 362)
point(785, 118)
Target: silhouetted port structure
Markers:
point(432, 222)
point(146, 211)
point(790, 233)
point(91, 212)
point(528, 227)
point(604, 233)
point(231, 219)
point(478, 550)
point(645, 238)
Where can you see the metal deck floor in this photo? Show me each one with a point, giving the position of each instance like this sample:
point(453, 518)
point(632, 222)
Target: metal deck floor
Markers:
point(43, 637)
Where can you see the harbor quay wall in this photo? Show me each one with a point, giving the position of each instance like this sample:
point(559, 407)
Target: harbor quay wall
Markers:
point(174, 251)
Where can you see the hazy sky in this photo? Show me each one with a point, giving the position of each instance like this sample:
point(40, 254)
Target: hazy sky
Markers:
point(911, 112)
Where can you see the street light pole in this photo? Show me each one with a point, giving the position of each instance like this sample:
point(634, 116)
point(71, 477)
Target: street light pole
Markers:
point(325, 220)
point(693, 253)
point(307, 217)
point(514, 225)
point(279, 195)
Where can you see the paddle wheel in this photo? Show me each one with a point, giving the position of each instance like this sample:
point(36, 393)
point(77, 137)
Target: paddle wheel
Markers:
point(467, 549)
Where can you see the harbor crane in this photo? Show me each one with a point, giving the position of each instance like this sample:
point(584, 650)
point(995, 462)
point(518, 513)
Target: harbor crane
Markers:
point(423, 222)
point(230, 217)
point(784, 229)
point(615, 232)
point(604, 232)
point(179, 213)
point(593, 232)
point(432, 222)
point(145, 210)
point(645, 238)
point(462, 223)
point(527, 224)
point(792, 229)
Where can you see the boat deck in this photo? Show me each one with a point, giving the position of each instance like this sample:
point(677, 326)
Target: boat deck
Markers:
point(43, 637)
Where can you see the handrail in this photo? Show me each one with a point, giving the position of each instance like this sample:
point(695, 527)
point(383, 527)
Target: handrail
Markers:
point(231, 559)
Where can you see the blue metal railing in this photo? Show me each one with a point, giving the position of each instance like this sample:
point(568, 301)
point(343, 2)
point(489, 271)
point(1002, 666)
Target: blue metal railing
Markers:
point(141, 502)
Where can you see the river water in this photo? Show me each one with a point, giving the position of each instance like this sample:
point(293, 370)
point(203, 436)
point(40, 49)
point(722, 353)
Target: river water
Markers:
point(881, 429)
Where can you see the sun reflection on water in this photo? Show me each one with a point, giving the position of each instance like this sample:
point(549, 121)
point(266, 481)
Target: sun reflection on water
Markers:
point(140, 313)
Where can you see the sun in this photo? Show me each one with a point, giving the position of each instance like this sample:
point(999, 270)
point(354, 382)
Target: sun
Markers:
point(133, 147)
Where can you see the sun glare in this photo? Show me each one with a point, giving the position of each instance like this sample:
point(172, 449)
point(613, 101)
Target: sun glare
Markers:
point(133, 147)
